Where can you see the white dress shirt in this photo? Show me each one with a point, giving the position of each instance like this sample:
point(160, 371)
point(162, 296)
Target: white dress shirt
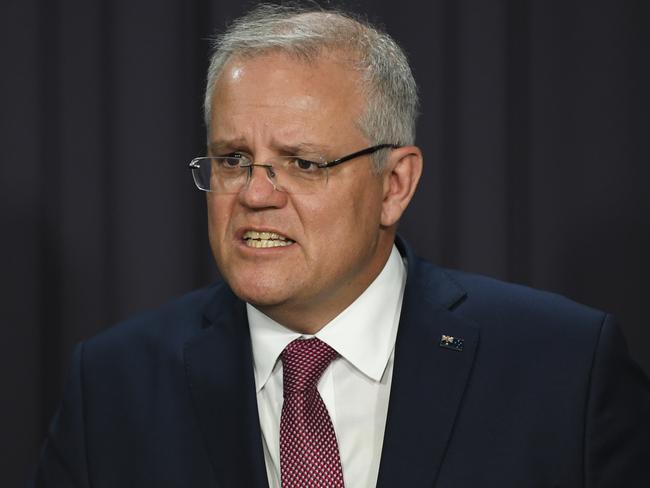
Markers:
point(355, 387)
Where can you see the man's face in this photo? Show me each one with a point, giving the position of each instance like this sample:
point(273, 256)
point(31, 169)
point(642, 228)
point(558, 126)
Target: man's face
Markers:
point(269, 106)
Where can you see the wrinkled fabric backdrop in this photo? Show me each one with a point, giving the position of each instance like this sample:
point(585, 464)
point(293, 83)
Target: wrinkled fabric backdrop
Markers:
point(534, 127)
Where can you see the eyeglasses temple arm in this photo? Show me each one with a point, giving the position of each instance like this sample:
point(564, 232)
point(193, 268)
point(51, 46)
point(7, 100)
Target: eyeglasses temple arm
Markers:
point(363, 152)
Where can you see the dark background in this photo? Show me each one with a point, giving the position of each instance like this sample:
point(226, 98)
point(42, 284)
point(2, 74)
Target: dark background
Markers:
point(534, 128)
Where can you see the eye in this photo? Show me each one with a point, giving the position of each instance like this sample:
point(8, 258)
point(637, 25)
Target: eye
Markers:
point(233, 160)
point(304, 165)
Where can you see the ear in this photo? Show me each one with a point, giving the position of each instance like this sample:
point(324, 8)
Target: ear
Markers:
point(401, 175)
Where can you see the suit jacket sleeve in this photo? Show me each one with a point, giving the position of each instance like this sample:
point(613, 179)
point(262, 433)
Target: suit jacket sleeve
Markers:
point(63, 457)
point(617, 434)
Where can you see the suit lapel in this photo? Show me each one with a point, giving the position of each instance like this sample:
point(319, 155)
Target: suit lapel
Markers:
point(219, 369)
point(428, 380)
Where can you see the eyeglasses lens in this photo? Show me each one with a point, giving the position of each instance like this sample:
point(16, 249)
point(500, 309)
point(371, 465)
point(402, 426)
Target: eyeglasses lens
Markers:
point(227, 175)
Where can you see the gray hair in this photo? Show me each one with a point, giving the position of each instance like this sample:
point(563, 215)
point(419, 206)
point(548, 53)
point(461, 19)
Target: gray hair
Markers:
point(385, 77)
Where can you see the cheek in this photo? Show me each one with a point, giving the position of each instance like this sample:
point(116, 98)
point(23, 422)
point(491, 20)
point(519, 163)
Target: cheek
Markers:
point(367, 208)
point(349, 221)
point(219, 214)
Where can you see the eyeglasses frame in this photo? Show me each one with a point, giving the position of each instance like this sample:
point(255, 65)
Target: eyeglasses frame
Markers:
point(328, 164)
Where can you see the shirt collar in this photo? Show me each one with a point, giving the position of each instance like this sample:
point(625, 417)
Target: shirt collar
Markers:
point(364, 333)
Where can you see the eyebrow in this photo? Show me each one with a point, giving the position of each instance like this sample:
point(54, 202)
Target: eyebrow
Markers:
point(216, 147)
point(305, 147)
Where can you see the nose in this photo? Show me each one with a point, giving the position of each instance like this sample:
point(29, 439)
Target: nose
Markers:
point(261, 189)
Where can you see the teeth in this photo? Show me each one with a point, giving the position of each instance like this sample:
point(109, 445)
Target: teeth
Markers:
point(266, 243)
point(253, 234)
point(253, 238)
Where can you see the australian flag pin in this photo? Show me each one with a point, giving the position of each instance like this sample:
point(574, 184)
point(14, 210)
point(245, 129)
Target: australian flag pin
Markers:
point(451, 342)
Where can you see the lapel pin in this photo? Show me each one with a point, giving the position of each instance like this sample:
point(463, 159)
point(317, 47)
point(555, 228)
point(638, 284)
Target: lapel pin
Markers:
point(451, 342)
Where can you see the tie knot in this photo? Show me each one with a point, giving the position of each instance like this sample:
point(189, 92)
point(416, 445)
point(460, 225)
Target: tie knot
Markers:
point(303, 363)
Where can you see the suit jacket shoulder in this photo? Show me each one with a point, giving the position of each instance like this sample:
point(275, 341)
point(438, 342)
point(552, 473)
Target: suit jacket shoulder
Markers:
point(162, 327)
point(532, 389)
point(149, 399)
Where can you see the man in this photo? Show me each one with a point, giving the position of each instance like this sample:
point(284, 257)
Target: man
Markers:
point(330, 355)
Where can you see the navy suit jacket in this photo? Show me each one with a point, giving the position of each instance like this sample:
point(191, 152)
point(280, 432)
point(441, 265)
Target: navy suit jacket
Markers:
point(541, 393)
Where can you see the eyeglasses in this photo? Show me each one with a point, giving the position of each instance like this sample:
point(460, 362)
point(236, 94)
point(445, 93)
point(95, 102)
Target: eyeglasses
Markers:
point(291, 174)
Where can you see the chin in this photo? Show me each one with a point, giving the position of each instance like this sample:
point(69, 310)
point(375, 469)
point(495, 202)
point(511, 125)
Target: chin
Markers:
point(264, 284)
point(259, 294)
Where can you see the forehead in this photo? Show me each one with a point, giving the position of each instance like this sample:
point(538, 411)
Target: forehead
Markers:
point(329, 68)
point(278, 91)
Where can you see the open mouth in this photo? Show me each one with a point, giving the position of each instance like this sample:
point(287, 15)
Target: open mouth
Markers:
point(253, 238)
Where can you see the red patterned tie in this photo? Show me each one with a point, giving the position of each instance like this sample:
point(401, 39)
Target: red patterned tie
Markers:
point(309, 454)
